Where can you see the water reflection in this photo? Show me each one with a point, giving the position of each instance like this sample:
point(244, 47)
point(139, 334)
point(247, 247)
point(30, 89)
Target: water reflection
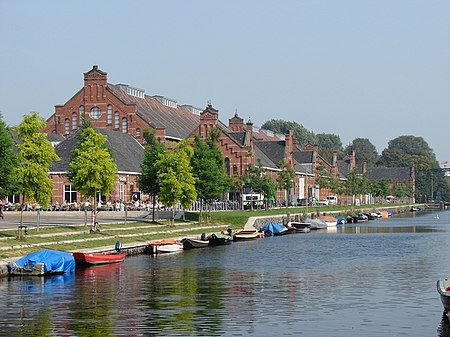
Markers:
point(372, 280)
point(444, 326)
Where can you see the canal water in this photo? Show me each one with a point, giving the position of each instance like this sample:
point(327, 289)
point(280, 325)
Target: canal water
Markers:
point(370, 279)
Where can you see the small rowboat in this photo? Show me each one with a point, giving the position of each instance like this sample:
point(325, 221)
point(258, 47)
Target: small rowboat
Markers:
point(247, 234)
point(300, 227)
point(97, 258)
point(189, 243)
point(165, 246)
point(443, 288)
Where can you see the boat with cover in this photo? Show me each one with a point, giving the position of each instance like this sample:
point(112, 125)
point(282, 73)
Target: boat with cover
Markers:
point(316, 223)
point(218, 239)
point(43, 262)
point(443, 288)
point(275, 229)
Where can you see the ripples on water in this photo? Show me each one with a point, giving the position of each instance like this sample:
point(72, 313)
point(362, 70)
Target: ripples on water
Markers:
point(375, 279)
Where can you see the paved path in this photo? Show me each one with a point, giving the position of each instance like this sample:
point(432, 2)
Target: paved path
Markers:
point(66, 218)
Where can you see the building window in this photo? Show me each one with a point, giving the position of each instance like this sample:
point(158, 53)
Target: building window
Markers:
point(95, 113)
point(121, 192)
point(67, 126)
point(109, 115)
point(74, 121)
point(235, 170)
point(116, 120)
point(81, 113)
point(69, 194)
point(124, 125)
point(227, 165)
point(138, 133)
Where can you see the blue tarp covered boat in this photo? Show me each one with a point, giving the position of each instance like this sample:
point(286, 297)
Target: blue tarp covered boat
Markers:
point(43, 262)
point(273, 228)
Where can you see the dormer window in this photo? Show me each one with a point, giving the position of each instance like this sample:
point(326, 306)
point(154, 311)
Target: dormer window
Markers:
point(132, 91)
point(171, 103)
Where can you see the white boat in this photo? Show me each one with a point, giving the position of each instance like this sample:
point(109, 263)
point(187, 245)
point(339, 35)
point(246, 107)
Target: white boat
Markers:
point(300, 227)
point(165, 246)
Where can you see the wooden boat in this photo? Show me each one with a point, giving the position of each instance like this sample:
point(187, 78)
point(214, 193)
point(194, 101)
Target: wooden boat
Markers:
point(189, 243)
point(165, 246)
point(443, 288)
point(247, 234)
point(300, 227)
point(97, 258)
point(218, 239)
point(329, 220)
point(43, 262)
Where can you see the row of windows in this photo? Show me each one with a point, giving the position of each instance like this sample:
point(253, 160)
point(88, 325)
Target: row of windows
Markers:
point(96, 114)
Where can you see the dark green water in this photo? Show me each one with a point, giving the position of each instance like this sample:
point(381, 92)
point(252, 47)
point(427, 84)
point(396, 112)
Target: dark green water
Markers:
point(375, 279)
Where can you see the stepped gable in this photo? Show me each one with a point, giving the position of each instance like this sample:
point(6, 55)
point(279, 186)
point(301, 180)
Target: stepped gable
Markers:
point(178, 122)
point(127, 152)
point(390, 173)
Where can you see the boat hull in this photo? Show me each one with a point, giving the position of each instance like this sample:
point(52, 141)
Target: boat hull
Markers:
point(443, 288)
point(194, 243)
point(95, 259)
point(301, 227)
point(246, 235)
point(165, 246)
point(219, 240)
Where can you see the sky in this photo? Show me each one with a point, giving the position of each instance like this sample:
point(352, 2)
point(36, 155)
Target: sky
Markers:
point(375, 69)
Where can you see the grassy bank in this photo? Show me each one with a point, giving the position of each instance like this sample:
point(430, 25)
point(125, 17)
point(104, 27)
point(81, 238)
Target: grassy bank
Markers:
point(76, 237)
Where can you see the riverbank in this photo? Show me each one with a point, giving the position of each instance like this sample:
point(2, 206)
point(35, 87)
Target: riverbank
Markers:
point(134, 234)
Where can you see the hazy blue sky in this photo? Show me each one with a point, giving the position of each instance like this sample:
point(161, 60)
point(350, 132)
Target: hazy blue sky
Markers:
point(375, 69)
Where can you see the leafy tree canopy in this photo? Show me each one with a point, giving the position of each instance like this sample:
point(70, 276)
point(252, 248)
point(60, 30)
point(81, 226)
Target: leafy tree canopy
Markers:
point(92, 168)
point(302, 135)
point(364, 151)
point(8, 162)
point(36, 154)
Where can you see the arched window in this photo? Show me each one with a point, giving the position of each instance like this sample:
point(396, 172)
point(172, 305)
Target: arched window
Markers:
point(109, 115)
point(67, 126)
point(138, 133)
point(74, 121)
point(116, 120)
point(124, 125)
point(227, 165)
point(81, 113)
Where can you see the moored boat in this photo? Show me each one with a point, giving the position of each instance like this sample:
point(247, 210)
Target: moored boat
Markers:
point(97, 258)
point(218, 239)
point(165, 246)
point(316, 223)
point(274, 228)
point(247, 234)
point(190, 243)
point(443, 288)
point(329, 220)
point(43, 262)
point(300, 227)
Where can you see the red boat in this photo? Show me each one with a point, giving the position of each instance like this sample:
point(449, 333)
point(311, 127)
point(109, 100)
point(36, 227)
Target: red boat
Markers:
point(98, 258)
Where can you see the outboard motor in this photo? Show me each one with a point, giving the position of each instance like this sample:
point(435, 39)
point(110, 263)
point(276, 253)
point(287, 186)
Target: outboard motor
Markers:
point(203, 237)
point(230, 232)
point(118, 246)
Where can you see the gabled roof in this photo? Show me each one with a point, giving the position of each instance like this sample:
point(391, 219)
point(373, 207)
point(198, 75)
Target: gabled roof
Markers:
point(178, 122)
point(127, 152)
point(390, 173)
point(273, 150)
point(303, 157)
point(263, 158)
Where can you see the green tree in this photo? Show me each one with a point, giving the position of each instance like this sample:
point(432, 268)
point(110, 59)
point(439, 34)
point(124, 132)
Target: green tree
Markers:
point(411, 151)
point(92, 168)
point(175, 178)
point(36, 154)
point(329, 141)
point(8, 162)
point(381, 188)
point(302, 135)
point(285, 180)
point(148, 180)
point(356, 184)
point(209, 170)
point(364, 151)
